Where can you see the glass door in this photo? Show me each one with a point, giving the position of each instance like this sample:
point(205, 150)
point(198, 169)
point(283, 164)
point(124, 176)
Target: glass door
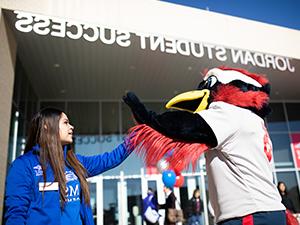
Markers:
point(110, 202)
point(134, 201)
point(92, 188)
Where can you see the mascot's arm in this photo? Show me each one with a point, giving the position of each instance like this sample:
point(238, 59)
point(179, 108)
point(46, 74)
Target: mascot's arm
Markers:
point(181, 125)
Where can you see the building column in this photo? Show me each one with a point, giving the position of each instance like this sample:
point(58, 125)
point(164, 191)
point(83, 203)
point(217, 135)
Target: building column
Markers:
point(7, 66)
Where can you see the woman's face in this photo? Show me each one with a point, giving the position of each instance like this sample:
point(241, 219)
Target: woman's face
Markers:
point(65, 130)
point(282, 187)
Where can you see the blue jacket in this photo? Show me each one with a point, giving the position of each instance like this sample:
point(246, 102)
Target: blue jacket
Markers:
point(151, 201)
point(25, 204)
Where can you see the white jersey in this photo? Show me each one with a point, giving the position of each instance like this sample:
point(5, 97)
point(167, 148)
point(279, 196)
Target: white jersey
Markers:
point(239, 173)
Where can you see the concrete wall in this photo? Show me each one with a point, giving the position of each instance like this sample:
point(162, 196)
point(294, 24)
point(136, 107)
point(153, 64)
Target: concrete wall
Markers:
point(7, 65)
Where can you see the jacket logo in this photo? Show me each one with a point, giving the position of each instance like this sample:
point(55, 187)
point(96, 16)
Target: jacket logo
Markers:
point(70, 176)
point(38, 170)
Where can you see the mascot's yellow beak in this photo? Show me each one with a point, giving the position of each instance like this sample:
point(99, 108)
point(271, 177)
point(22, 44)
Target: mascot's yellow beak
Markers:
point(191, 101)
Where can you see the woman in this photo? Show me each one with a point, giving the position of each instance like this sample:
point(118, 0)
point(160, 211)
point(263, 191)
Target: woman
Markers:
point(195, 209)
point(47, 185)
point(285, 200)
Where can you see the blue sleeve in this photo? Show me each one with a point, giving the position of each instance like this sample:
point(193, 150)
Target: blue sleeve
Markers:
point(100, 163)
point(18, 193)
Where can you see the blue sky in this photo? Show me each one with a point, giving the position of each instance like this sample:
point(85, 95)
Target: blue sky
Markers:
point(284, 13)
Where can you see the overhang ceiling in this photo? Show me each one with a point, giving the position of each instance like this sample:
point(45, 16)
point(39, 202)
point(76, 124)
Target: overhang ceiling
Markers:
point(66, 69)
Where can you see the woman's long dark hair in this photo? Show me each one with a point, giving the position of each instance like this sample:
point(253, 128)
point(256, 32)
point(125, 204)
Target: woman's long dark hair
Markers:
point(44, 130)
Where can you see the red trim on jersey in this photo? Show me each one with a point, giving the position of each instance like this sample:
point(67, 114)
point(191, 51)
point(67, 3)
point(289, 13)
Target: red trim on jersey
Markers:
point(248, 220)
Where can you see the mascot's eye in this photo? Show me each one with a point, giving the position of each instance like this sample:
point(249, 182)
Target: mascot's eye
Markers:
point(208, 83)
point(212, 80)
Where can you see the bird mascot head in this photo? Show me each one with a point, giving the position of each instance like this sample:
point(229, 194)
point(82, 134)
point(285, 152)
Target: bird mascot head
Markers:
point(234, 86)
point(180, 135)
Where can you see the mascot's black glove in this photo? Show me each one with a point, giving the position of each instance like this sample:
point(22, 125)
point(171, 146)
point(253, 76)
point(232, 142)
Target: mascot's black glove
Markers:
point(140, 113)
point(176, 124)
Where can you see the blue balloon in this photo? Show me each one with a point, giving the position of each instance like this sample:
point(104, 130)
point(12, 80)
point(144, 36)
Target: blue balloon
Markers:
point(169, 178)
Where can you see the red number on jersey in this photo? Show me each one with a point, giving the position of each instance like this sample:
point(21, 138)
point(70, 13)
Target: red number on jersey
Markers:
point(267, 143)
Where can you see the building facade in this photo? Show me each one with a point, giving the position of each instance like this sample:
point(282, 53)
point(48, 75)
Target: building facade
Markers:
point(83, 57)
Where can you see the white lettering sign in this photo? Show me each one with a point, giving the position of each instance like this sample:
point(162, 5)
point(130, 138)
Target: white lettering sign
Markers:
point(61, 28)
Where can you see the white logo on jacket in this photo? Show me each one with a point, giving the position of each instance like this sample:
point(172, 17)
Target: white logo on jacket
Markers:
point(38, 170)
point(70, 175)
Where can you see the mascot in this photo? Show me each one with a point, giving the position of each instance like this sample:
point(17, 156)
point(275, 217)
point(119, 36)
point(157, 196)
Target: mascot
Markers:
point(223, 118)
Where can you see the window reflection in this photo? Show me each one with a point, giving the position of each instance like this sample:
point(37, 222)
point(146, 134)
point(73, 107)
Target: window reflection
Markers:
point(134, 201)
point(110, 202)
point(127, 118)
point(110, 118)
point(92, 188)
point(293, 111)
point(281, 150)
point(84, 116)
point(276, 120)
